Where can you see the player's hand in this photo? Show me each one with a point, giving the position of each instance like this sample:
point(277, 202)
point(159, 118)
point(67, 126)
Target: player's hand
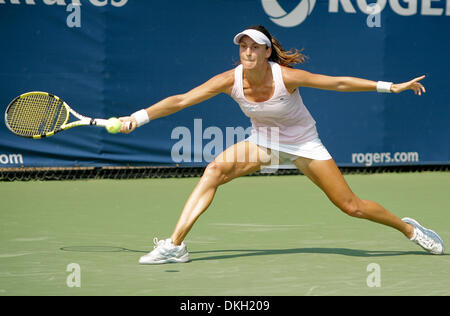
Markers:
point(414, 85)
point(129, 124)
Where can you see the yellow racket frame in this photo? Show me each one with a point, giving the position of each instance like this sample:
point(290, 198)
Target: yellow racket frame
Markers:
point(41, 114)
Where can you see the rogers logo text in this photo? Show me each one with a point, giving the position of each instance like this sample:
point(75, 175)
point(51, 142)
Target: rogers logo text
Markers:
point(97, 3)
point(11, 159)
point(407, 8)
point(294, 18)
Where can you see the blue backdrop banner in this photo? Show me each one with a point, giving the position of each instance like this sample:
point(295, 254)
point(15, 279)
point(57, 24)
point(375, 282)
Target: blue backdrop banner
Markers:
point(110, 58)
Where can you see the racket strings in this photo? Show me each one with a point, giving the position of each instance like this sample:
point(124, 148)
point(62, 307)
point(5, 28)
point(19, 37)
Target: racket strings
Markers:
point(36, 114)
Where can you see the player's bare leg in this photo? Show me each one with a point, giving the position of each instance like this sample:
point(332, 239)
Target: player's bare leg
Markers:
point(238, 160)
point(327, 176)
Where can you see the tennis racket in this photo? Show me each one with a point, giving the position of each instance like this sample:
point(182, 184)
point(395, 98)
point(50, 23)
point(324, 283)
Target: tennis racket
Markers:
point(40, 114)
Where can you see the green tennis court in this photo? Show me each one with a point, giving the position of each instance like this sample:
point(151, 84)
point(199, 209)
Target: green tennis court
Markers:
point(267, 235)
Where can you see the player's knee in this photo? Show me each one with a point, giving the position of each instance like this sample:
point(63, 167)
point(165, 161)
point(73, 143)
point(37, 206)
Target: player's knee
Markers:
point(215, 173)
point(352, 207)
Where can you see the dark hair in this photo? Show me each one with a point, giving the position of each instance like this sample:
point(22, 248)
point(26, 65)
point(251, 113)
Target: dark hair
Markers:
point(287, 58)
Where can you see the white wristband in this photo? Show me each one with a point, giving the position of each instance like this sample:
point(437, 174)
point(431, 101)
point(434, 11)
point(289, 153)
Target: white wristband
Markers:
point(141, 117)
point(384, 87)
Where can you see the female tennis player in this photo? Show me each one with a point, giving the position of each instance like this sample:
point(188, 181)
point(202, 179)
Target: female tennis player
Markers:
point(265, 85)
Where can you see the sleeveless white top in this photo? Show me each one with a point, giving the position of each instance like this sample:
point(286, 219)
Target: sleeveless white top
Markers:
point(281, 120)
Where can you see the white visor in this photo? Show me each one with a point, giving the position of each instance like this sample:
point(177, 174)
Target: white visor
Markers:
point(257, 36)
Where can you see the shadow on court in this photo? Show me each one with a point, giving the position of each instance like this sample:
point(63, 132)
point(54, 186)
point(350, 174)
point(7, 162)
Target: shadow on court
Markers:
point(239, 253)
point(327, 251)
point(99, 249)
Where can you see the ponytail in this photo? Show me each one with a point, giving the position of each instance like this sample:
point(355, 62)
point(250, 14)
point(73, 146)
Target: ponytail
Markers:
point(287, 58)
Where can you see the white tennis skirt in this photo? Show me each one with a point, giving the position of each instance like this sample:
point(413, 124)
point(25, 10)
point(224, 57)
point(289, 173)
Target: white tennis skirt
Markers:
point(285, 153)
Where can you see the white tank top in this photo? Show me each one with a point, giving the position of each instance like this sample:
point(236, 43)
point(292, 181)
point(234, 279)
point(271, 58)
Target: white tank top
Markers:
point(283, 110)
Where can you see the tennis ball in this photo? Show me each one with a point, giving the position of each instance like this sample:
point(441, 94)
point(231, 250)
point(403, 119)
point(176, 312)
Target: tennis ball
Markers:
point(114, 125)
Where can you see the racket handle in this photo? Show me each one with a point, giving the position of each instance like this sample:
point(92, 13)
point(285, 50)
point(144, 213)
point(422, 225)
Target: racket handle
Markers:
point(104, 123)
point(99, 122)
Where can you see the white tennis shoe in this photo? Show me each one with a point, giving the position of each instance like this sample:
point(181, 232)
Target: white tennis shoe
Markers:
point(165, 252)
point(426, 238)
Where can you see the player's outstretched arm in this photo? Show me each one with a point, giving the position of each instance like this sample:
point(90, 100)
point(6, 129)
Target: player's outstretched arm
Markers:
point(221, 83)
point(295, 78)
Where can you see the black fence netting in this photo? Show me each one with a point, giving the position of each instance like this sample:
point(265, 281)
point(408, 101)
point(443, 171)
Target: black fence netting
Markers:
point(84, 173)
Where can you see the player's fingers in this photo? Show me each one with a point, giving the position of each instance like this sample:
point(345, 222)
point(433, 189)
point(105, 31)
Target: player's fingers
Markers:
point(422, 88)
point(125, 128)
point(418, 78)
point(132, 125)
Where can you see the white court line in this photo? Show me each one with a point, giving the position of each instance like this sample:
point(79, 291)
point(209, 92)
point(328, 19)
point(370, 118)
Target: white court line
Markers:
point(256, 225)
